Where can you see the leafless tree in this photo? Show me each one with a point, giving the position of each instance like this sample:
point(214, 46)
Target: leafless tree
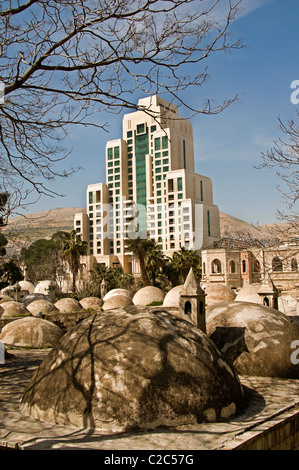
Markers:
point(62, 62)
point(284, 157)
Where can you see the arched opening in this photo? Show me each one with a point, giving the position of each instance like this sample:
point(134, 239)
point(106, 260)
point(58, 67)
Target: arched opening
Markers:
point(216, 266)
point(266, 302)
point(232, 267)
point(187, 308)
point(277, 264)
point(244, 266)
point(256, 266)
point(294, 264)
point(204, 267)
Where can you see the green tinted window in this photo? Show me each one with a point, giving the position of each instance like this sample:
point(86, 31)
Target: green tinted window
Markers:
point(164, 142)
point(158, 143)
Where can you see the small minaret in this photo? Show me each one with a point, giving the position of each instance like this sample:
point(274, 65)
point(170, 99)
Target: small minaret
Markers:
point(103, 288)
point(192, 306)
point(268, 293)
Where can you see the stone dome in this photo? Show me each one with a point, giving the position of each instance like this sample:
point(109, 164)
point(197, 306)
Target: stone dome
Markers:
point(117, 301)
point(92, 303)
point(42, 287)
point(67, 305)
point(41, 306)
point(27, 299)
point(216, 293)
point(98, 375)
point(172, 298)
point(112, 292)
point(256, 340)
point(148, 295)
point(14, 309)
point(249, 293)
point(31, 332)
point(26, 285)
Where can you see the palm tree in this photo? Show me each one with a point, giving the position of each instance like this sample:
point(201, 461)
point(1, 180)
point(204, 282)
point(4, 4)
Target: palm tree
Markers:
point(154, 260)
point(72, 248)
point(139, 247)
point(182, 261)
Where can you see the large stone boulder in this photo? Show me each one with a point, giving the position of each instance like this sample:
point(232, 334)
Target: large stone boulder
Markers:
point(30, 332)
point(38, 307)
point(14, 309)
point(68, 305)
point(256, 340)
point(147, 295)
point(133, 368)
point(117, 301)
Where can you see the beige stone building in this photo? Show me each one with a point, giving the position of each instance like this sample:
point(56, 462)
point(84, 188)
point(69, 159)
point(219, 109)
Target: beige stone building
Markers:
point(151, 188)
point(237, 265)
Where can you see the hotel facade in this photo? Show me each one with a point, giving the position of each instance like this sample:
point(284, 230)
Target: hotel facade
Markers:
point(151, 190)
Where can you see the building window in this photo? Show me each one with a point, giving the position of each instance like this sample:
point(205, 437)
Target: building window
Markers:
point(164, 142)
point(180, 184)
point(294, 265)
point(256, 266)
point(201, 191)
point(216, 266)
point(277, 264)
point(90, 197)
point(232, 267)
point(158, 143)
point(244, 266)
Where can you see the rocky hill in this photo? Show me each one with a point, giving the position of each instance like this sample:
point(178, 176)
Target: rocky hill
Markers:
point(23, 230)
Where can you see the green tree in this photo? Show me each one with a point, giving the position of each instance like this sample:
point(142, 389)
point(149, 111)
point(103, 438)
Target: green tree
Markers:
point(154, 261)
point(181, 262)
point(10, 273)
point(138, 247)
point(115, 278)
point(43, 258)
point(72, 249)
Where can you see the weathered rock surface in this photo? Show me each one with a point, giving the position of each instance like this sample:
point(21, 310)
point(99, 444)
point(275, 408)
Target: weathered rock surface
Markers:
point(133, 368)
point(256, 340)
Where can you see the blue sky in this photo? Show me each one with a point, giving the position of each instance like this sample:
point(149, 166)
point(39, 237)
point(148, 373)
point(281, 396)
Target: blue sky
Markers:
point(228, 145)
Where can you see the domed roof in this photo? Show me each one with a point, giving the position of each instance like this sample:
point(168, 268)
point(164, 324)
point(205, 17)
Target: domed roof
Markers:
point(112, 292)
point(67, 305)
point(27, 299)
point(42, 287)
point(92, 303)
point(217, 293)
point(249, 293)
point(255, 339)
point(31, 332)
point(41, 306)
point(98, 375)
point(14, 309)
point(148, 295)
point(4, 298)
point(26, 285)
point(172, 298)
point(116, 301)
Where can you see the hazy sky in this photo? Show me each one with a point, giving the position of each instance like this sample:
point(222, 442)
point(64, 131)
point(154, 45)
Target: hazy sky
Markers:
point(228, 145)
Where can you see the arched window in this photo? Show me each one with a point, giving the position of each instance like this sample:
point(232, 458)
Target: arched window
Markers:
point(188, 308)
point(216, 266)
point(277, 264)
point(244, 266)
point(256, 266)
point(204, 267)
point(294, 264)
point(232, 267)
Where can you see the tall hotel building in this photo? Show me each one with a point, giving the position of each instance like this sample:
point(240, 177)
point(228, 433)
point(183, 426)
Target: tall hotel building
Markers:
point(151, 190)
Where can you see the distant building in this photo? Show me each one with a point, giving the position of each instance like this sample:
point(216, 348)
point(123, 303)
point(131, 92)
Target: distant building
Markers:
point(151, 188)
point(237, 264)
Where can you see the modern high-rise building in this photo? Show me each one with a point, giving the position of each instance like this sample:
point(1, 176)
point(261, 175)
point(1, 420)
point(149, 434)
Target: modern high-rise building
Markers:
point(151, 190)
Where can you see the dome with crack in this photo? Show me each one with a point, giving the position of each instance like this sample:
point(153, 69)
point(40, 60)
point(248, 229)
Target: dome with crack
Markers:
point(41, 306)
point(256, 340)
point(133, 368)
point(147, 295)
point(68, 305)
point(31, 332)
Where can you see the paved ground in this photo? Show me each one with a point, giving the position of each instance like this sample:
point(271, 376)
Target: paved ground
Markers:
point(269, 401)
